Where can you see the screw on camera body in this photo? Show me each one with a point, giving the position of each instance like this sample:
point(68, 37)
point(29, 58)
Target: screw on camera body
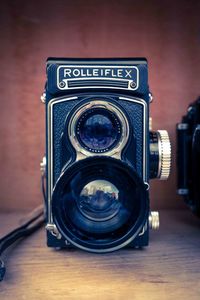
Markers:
point(133, 84)
point(62, 84)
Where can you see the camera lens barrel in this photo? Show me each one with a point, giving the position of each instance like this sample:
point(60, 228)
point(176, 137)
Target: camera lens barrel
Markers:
point(100, 205)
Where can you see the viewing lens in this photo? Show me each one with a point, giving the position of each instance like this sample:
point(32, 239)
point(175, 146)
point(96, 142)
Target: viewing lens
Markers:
point(98, 130)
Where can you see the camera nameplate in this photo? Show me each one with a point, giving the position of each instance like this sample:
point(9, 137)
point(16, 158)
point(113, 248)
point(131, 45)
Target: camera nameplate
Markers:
point(97, 76)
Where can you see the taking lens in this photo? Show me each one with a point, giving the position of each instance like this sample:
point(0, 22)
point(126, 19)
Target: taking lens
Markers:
point(99, 204)
point(98, 130)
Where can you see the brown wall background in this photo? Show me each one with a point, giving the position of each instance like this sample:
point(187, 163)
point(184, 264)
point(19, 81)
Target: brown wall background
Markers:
point(166, 32)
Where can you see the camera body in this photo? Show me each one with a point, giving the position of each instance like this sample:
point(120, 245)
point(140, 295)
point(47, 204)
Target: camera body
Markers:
point(188, 157)
point(100, 154)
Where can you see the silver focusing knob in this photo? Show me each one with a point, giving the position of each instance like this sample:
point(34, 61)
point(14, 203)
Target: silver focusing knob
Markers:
point(43, 98)
point(164, 149)
point(43, 165)
point(154, 220)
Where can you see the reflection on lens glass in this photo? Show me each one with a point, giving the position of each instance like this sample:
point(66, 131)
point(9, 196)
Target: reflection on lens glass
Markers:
point(99, 200)
point(98, 130)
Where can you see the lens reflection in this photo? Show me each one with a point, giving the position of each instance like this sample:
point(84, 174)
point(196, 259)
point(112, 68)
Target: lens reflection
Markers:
point(99, 200)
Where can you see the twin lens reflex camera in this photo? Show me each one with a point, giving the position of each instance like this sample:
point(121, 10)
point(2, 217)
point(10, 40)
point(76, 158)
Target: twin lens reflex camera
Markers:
point(100, 154)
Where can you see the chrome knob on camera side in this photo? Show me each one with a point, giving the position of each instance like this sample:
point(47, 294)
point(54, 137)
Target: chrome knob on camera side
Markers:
point(164, 147)
point(43, 165)
point(43, 98)
point(160, 154)
point(154, 220)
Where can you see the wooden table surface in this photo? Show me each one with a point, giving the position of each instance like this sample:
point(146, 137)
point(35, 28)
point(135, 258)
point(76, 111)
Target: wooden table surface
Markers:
point(168, 269)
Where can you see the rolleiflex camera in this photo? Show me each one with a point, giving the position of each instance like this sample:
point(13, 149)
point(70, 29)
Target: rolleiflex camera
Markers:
point(100, 154)
point(188, 157)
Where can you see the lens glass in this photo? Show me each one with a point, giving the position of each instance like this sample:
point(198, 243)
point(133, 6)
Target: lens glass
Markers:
point(98, 130)
point(99, 200)
point(100, 205)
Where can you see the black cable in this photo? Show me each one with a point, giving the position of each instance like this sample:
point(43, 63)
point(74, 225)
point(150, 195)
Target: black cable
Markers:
point(28, 227)
point(25, 225)
point(13, 237)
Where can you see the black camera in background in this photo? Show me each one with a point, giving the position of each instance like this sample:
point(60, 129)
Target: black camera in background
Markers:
point(188, 157)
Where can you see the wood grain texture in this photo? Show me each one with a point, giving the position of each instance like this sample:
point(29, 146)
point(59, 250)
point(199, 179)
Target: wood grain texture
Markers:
point(166, 32)
point(168, 269)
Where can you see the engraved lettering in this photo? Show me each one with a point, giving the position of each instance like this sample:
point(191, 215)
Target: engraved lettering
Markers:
point(107, 71)
point(76, 72)
point(67, 72)
point(128, 73)
point(82, 73)
point(119, 73)
point(113, 73)
point(88, 73)
point(96, 72)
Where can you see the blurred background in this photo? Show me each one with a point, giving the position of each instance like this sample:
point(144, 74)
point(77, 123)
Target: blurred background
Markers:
point(167, 33)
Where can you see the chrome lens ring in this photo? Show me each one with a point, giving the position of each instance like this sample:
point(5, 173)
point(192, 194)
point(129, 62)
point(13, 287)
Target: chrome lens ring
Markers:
point(119, 122)
point(98, 130)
